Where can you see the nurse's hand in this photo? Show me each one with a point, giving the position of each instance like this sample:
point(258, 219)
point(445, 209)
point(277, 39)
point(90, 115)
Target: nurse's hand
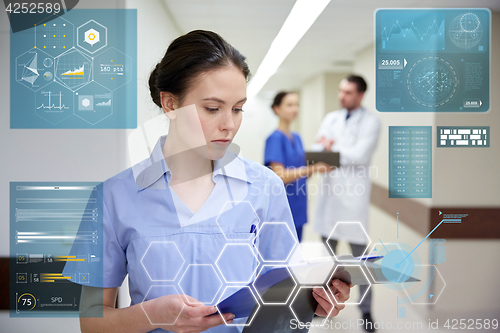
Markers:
point(327, 143)
point(341, 292)
point(188, 317)
point(321, 167)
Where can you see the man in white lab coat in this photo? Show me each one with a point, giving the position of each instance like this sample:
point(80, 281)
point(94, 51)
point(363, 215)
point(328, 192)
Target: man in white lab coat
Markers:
point(344, 194)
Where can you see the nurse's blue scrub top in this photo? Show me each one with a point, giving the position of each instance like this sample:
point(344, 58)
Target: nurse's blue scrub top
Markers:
point(290, 153)
point(165, 248)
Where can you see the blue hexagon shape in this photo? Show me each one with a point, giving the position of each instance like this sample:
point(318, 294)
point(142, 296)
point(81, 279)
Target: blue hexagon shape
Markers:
point(158, 291)
point(282, 238)
point(34, 69)
point(347, 228)
point(245, 292)
point(162, 261)
point(93, 103)
point(237, 263)
point(340, 272)
point(286, 285)
point(227, 224)
point(92, 36)
point(54, 103)
point(54, 37)
point(73, 69)
point(112, 68)
point(190, 285)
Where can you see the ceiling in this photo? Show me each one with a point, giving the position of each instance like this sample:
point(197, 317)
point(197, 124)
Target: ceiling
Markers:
point(344, 28)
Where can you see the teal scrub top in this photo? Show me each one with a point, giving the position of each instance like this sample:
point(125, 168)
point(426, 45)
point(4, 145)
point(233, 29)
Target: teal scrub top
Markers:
point(290, 153)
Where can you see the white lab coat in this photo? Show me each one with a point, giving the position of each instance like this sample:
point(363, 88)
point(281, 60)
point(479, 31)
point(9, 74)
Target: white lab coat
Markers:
point(344, 193)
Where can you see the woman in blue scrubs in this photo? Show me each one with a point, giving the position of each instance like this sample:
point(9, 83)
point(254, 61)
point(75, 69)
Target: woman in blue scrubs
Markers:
point(285, 155)
point(187, 224)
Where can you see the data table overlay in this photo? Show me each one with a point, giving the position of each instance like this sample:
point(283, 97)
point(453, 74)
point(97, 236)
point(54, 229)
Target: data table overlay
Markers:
point(410, 161)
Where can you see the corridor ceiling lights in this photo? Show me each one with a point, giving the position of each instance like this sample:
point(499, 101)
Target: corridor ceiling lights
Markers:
point(300, 19)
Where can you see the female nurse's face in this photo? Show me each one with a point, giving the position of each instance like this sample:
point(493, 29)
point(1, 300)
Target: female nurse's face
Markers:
point(289, 107)
point(211, 112)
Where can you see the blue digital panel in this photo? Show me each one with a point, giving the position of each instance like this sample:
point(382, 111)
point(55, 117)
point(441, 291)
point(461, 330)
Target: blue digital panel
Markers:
point(46, 219)
point(434, 60)
point(76, 71)
point(410, 161)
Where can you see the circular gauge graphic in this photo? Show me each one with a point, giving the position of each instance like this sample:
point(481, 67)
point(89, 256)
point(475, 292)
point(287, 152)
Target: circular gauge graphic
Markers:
point(432, 81)
point(48, 76)
point(26, 302)
point(466, 30)
point(47, 62)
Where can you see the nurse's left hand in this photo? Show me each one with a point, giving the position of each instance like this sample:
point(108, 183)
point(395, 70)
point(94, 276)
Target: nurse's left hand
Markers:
point(188, 314)
point(341, 292)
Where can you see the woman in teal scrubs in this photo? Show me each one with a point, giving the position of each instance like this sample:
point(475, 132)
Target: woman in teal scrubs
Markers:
point(186, 224)
point(285, 155)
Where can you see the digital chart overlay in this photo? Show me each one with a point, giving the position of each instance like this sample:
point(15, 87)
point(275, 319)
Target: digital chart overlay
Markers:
point(46, 218)
point(76, 71)
point(433, 60)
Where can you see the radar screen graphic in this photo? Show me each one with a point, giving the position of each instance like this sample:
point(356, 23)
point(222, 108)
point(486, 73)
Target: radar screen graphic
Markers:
point(432, 81)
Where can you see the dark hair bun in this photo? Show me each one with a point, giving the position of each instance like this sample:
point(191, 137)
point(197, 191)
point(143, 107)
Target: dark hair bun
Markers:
point(196, 52)
point(155, 93)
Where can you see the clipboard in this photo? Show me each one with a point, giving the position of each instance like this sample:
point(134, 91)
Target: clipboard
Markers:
point(328, 157)
point(276, 283)
point(278, 319)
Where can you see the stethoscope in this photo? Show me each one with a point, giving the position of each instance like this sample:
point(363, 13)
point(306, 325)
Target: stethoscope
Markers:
point(354, 136)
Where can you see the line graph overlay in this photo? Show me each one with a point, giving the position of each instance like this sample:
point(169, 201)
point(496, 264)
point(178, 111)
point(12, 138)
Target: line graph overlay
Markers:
point(414, 30)
point(77, 71)
point(54, 103)
point(73, 69)
point(51, 101)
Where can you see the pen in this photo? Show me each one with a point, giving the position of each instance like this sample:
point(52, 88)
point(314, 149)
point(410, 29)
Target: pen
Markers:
point(253, 230)
point(368, 257)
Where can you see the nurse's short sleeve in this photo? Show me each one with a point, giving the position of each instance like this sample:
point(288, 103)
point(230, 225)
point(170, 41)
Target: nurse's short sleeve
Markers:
point(277, 236)
point(105, 260)
point(115, 259)
point(274, 151)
